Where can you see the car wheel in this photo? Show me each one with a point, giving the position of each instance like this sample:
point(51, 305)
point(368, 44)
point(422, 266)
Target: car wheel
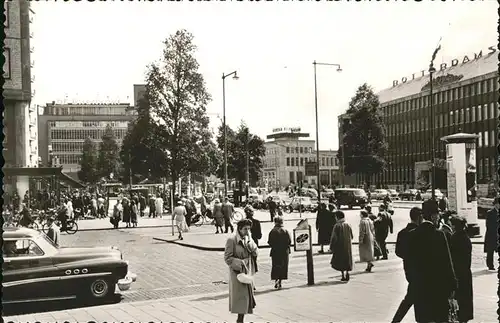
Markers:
point(101, 288)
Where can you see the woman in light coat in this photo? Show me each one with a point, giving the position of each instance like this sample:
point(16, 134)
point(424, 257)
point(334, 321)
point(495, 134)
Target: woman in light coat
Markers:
point(159, 206)
point(218, 216)
point(366, 238)
point(240, 255)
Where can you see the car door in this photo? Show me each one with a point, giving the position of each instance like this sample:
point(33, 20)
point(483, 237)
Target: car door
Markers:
point(28, 274)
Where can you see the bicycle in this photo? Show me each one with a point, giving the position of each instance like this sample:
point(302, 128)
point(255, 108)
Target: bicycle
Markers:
point(71, 226)
point(237, 216)
point(204, 217)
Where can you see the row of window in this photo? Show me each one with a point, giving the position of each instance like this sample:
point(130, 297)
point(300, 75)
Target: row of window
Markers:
point(457, 117)
point(67, 146)
point(87, 110)
point(67, 159)
point(477, 88)
point(325, 161)
point(85, 124)
point(82, 134)
point(297, 150)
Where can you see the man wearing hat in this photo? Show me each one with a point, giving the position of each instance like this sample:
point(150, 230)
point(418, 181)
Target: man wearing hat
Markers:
point(490, 238)
point(256, 230)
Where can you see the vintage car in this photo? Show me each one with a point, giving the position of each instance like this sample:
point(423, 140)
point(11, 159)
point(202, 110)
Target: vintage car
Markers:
point(351, 197)
point(379, 194)
point(428, 194)
point(35, 269)
point(408, 195)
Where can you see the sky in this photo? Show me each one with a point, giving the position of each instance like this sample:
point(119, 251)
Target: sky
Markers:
point(96, 51)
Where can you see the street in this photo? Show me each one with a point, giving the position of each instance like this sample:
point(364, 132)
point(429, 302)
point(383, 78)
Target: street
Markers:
point(195, 282)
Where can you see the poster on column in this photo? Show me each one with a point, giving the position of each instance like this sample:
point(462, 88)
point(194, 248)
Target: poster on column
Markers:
point(452, 182)
point(470, 172)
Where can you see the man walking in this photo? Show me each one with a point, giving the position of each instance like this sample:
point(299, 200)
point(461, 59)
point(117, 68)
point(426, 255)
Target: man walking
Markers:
point(490, 238)
point(432, 277)
point(402, 252)
point(227, 211)
point(383, 225)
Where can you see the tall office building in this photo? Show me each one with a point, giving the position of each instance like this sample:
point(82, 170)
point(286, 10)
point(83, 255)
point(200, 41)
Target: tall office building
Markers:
point(465, 97)
point(63, 128)
point(19, 145)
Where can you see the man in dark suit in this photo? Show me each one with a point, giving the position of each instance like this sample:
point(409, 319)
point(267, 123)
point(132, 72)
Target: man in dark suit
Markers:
point(402, 252)
point(490, 237)
point(431, 273)
point(256, 230)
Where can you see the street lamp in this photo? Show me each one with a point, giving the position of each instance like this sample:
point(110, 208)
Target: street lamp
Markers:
point(432, 70)
point(235, 77)
point(317, 131)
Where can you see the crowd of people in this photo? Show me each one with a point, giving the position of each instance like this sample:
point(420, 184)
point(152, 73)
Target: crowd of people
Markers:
point(436, 252)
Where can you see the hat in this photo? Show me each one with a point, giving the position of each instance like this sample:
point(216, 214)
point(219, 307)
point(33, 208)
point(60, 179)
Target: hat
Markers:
point(179, 202)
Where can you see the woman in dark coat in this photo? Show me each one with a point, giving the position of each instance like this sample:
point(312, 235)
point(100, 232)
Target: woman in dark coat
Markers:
point(324, 226)
point(461, 249)
point(340, 246)
point(279, 241)
point(134, 210)
point(126, 212)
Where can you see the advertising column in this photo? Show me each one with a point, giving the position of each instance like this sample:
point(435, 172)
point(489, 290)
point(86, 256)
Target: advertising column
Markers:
point(461, 178)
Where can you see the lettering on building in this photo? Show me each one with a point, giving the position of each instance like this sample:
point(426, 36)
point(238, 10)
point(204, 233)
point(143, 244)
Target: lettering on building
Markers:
point(286, 129)
point(444, 66)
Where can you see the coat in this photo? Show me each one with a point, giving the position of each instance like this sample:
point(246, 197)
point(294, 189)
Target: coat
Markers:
point(126, 212)
point(432, 278)
point(159, 206)
point(366, 238)
point(402, 246)
point(279, 241)
point(340, 246)
point(239, 259)
point(490, 237)
point(461, 251)
point(325, 221)
point(218, 216)
point(256, 232)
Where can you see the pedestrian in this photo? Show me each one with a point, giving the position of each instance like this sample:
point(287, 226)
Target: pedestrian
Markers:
point(218, 216)
point(117, 214)
point(256, 232)
point(53, 233)
point(402, 252)
point(383, 225)
point(152, 206)
point(179, 215)
point(461, 253)
point(279, 241)
point(340, 246)
point(159, 205)
point(240, 254)
point(93, 206)
point(272, 207)
point(134, 212)
point(366, 237)
point(490, 237)
point(126, 212)
point(324, 226)
point(142, 204)
point(189, 211)
point(432, 277)
point(227, 211)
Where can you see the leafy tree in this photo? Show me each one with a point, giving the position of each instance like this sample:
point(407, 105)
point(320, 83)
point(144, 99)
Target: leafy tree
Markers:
point(108, 161)
point(142, 154)
point(238, 144)
point(178, 98)
point(364, 139)
point(88, 163)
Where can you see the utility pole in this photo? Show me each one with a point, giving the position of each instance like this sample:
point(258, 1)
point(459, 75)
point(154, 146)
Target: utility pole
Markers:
point(247, 164)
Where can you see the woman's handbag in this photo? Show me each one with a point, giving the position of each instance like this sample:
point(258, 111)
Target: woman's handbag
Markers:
point(245, 278)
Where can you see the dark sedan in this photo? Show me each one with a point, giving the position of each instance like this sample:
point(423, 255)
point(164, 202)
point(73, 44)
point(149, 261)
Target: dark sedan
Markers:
point(408, 195)
point(35, 269)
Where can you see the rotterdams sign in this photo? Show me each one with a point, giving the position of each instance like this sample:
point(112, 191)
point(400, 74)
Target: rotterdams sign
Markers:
point(286, 129)
point(443, 66)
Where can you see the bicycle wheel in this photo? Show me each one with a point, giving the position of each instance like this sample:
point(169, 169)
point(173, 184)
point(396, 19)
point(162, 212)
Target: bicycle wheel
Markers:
point(72, 227)
point(237, 216)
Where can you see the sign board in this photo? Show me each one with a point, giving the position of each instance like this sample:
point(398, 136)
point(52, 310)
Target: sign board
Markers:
point(311, 169)
point(286, 129)
point(302, 239)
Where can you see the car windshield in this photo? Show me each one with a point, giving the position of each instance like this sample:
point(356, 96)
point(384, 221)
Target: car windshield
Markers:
point(359, 193)
point(46, 239)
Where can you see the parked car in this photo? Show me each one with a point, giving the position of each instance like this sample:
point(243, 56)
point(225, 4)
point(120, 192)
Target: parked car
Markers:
point(408, 195)
point(302, 203)
point(428, 194)
point(393, 194)
point(327, 193)
point(379, 194)
point(35, 269)
point(351, 197)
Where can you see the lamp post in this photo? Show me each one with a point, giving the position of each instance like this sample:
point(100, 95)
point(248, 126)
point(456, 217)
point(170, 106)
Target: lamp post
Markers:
point(317, 131)
point(235, 76)
point(431, 105)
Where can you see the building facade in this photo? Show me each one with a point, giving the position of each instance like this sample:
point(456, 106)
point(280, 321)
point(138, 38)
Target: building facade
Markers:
point(286, 157)
point(465, 99)
point(19, 145)
point(63, 128)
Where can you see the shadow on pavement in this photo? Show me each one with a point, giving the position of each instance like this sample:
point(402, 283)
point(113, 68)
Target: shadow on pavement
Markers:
point(483, 272)
point(40, 307)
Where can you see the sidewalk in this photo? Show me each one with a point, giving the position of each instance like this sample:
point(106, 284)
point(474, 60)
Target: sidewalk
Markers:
point(366, 298)
point(104, 224)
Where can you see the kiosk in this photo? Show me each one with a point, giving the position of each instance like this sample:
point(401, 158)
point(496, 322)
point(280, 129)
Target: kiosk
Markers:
point(461, 177)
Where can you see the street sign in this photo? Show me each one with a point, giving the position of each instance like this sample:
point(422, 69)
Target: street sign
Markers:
point(311, 169)
point(302, 239)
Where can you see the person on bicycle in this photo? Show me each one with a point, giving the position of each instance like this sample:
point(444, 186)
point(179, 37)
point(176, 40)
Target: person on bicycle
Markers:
point(62, 214)
point(53, 233)
point(26, 219)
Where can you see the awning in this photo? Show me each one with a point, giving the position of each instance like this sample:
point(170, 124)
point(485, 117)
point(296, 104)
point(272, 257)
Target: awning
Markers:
point(42, 172)
point(71, 181)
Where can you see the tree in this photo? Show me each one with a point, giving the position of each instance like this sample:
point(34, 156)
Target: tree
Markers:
point(142, 154)
point(239, 144)
point(108, 161)
point(178, 98)
point(88, 163)
point(364, 140)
